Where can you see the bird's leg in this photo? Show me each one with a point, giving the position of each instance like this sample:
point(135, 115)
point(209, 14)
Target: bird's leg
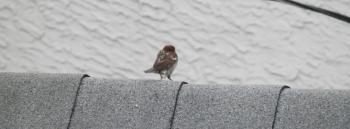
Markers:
point(168, 73)
point(162, 75)
point(169, 77)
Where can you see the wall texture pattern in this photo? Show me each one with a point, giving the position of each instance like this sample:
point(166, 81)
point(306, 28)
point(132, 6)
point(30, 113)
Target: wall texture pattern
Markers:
point(218, 41)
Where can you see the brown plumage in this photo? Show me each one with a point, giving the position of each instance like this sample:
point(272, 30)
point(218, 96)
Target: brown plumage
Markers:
point(165, 62)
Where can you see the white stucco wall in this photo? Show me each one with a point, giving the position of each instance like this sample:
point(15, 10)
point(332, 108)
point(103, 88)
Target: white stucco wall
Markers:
point(218, 41)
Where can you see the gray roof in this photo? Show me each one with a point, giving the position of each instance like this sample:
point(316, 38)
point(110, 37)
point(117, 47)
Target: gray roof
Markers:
point(226, 107)
point(104, 103)
point(30, 100)
point(39, 100)
point(314, 109)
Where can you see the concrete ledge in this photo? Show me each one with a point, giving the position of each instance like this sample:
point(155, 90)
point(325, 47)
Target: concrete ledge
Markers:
point(314, 109)
point(37, 100)
point(125, 104)
point(226, 107)
point(29, 100)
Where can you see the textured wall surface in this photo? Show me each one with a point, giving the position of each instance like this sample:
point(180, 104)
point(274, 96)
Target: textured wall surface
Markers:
point(218, 41)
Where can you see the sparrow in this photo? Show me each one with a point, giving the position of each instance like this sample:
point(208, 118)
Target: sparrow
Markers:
point(165, 62)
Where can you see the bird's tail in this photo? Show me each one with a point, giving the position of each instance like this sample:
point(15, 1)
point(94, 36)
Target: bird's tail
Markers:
point(151, 70)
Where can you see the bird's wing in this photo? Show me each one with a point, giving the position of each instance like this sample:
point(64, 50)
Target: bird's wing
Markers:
point(171, 69)
point(166, 63)
point(160, 56)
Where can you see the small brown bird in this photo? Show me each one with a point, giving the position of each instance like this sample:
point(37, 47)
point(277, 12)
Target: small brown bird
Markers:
point(165, 63)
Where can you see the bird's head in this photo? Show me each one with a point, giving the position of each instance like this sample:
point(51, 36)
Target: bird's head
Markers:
point(169, 48)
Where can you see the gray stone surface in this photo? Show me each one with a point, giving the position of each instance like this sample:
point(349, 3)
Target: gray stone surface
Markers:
point(124, 104)
point(314, 109)
point(226, 107)
point(36, 101)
